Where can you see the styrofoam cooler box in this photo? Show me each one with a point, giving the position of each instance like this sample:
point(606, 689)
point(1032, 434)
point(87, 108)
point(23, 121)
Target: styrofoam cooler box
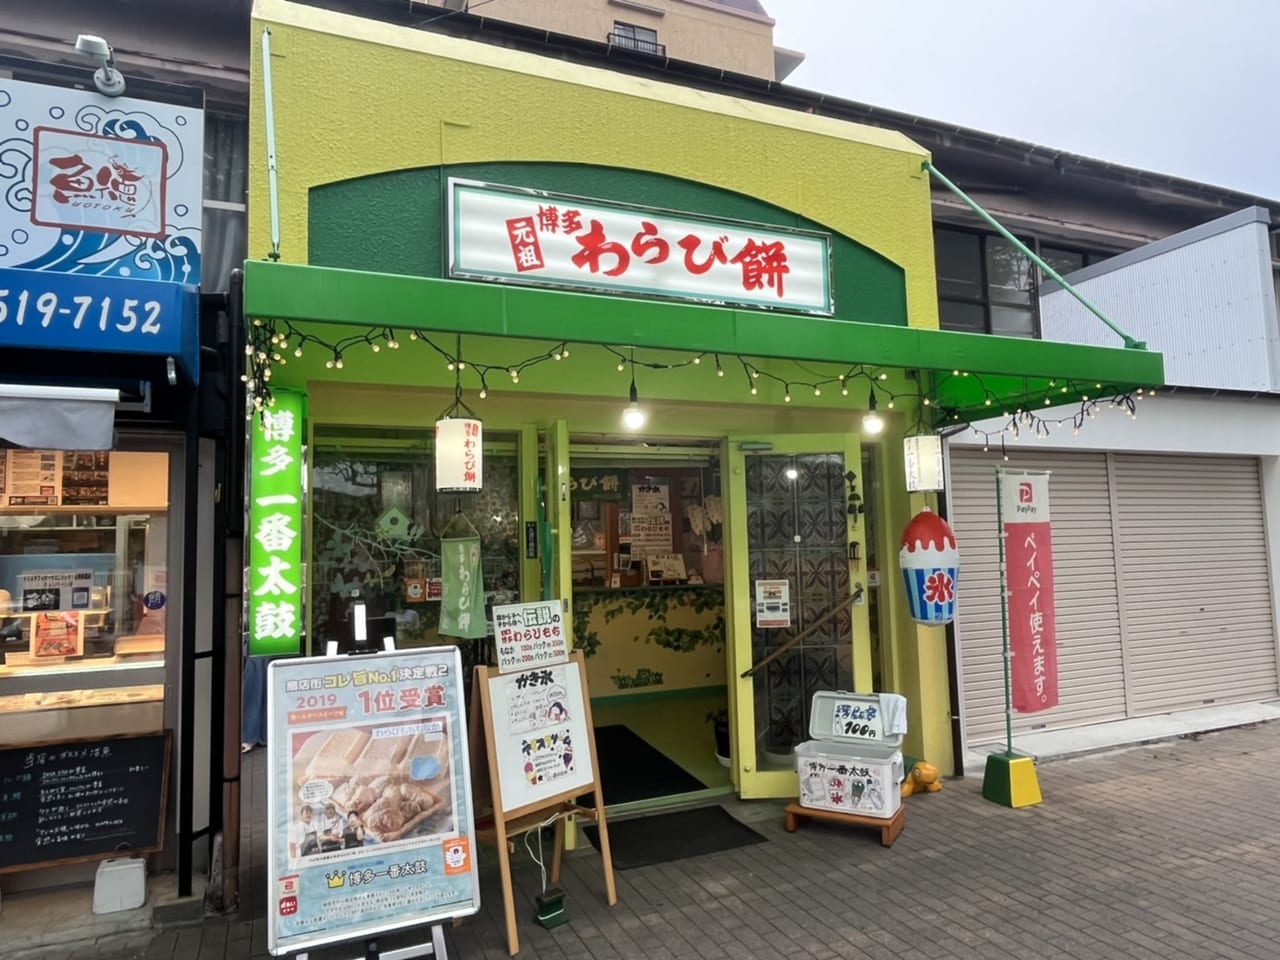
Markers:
point(851, 765)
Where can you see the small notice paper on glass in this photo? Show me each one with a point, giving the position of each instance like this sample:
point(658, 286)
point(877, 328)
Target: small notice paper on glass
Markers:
point(773, 604)
point(530, 635)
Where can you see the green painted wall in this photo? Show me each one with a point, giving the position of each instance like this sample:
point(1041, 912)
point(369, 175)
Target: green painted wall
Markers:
point(395, 223)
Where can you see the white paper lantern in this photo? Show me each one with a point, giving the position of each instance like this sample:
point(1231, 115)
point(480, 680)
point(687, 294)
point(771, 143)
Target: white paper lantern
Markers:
point(459, 454)
point(923, 455)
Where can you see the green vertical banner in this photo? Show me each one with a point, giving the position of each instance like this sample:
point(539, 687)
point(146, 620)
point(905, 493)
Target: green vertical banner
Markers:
point(462, 600)
point(275, 526)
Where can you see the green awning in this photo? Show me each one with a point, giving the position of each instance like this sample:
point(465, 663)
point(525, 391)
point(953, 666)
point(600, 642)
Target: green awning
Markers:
point(974, 376)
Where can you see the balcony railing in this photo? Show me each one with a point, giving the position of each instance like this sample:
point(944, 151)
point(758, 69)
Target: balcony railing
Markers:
point(626, 42)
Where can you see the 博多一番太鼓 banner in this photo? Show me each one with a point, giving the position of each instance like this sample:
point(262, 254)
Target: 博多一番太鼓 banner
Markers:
point(1028, 539)
point(517, 235)
point(275, 526)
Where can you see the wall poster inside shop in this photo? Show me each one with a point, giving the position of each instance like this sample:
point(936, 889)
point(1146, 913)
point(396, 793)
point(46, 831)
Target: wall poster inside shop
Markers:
point(540, 734)
point(33, 478)
point(650, 518)
point(371, 823)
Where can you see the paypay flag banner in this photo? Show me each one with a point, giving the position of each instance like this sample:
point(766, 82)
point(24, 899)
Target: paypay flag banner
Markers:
point(1028, 539)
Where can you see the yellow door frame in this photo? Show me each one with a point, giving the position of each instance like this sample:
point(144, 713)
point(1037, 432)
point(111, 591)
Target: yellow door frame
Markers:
point(748, 779)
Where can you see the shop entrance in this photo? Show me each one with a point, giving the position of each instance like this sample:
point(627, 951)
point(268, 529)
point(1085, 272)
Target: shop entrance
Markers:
point(797, 503)
point(648, 593)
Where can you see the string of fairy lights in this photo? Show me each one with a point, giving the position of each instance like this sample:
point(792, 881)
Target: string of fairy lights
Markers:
point(272, 343)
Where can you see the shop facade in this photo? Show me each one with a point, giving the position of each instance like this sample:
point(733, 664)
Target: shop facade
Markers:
point(100, 481)
point(696, 332)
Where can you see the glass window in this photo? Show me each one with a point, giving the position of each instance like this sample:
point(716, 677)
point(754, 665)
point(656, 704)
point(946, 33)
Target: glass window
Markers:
point(1063, 261)
point(1009, 277)
point(1012, 321)
point(377, 522)
point(962, 317)
point(959, 264)
point(84, 547)
point(225, 221)
point(635, 38)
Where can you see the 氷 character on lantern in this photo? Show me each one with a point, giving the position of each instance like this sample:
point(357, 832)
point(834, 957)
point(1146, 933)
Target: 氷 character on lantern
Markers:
point(930, 562)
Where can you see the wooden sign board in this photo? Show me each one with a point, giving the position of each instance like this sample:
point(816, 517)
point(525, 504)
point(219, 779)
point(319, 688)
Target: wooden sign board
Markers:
point(539, 743)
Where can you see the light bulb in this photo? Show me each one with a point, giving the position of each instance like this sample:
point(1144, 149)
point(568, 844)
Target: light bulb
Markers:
point(696, 361)
point(338, 363)
point(754, 391)
point(844, 391)
point(297, 352)
point(375, 348)
point(483, 393)
point(621, 366)
point(817, 391)
point(633, 417)
point(329, 364)
point(872, 424)
point(393, 344)
point(884, 376)
point(719, 371)
point(412, 335)
point(787, 398)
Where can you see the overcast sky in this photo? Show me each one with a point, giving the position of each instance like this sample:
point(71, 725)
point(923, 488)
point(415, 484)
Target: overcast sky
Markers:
point(1181, 87)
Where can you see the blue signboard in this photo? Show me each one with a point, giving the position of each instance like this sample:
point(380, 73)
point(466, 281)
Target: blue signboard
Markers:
point(60, 311)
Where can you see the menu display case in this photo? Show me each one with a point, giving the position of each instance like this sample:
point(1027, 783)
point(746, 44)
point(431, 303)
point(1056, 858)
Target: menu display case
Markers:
point(83, 594)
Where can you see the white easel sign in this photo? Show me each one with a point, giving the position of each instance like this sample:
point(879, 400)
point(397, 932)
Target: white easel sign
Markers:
point(530, 635)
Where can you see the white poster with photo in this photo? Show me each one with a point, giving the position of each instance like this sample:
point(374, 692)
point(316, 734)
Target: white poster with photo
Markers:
point(773, 604)
point(650, 518)
point(540, 734)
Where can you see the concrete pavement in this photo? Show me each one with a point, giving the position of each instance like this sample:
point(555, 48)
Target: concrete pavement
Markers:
point(1159, 852)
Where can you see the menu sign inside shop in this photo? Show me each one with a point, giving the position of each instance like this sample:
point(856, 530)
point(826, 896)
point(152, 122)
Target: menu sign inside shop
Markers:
point(275, 527)
point(82, 800)
point(526, 236)
point(52, 478)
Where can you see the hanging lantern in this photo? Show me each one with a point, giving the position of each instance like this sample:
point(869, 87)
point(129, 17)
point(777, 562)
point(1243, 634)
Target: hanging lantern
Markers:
point(459, 454)
point(930, 562)
point(923, 455)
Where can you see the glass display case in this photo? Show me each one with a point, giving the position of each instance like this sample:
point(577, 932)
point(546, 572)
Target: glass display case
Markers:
point(83, 601)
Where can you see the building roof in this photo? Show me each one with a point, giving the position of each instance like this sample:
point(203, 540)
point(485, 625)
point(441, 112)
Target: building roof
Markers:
point(746, 6)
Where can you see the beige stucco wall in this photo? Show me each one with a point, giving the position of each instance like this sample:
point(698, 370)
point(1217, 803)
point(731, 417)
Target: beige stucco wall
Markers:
point(692, 30)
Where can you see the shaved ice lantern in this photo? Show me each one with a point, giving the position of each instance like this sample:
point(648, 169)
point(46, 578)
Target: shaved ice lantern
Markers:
point(930, 564)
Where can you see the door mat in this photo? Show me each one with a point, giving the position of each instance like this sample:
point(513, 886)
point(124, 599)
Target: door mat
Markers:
point(632, 769)
point(673, 836)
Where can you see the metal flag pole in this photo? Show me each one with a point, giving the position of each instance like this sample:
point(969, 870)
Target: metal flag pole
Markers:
point(1004, 614)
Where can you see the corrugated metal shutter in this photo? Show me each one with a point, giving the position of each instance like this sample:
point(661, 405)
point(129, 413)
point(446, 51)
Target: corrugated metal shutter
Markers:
point(1091, 675)
point(1197, 591)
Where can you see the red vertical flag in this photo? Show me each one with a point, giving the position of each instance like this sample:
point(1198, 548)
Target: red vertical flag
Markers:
point(1028, 554)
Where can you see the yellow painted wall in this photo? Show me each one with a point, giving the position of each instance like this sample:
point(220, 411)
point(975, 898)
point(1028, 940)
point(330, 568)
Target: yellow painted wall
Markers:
point(355, 97)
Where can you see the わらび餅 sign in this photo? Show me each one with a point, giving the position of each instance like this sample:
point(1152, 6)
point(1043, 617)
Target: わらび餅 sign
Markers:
point(524, 236)
point(1028, 551)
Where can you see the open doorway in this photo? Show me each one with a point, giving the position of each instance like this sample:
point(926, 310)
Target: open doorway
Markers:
point(649, 617)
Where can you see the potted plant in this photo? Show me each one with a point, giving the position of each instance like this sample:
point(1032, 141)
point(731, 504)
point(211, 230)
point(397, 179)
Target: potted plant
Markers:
point(719, 720)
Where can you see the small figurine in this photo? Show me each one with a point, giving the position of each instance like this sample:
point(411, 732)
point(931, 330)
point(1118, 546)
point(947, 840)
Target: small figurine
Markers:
point(922, 778)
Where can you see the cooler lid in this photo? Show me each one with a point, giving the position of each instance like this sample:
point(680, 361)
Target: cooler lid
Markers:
point(855, 718)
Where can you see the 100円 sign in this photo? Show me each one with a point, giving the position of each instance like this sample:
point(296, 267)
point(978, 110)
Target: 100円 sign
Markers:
point(275, 527)
point(371, 824)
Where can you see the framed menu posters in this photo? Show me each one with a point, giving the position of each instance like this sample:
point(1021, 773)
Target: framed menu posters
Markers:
point(371, 826)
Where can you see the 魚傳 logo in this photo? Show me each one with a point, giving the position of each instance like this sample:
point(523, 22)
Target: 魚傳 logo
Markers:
point(90, 182)
point(1026, 493)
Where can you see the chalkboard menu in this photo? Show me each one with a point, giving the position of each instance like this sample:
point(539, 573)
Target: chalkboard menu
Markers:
point(82, 800)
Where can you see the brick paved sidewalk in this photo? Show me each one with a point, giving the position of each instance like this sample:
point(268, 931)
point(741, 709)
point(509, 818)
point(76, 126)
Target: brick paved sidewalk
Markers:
point(1162, 852)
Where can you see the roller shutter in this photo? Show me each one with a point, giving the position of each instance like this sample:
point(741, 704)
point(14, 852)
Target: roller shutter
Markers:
point(1197, 597)
point(1091, 674)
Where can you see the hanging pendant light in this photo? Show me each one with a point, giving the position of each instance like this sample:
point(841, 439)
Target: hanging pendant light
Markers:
point(872, 422)
point(459, 448)
point(633, 417)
